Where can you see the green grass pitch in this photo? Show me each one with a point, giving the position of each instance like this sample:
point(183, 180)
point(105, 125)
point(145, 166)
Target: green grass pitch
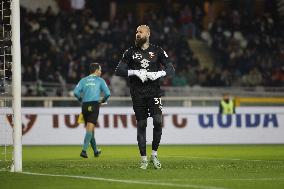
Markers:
point(183, 166)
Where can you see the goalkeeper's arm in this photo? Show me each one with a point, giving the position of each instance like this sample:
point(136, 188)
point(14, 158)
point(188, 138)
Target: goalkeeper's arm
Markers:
point(121, 69)
point(168, 66)
point(169, 69)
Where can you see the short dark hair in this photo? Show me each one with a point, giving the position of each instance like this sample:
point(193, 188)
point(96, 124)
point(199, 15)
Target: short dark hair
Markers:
point(93, 67)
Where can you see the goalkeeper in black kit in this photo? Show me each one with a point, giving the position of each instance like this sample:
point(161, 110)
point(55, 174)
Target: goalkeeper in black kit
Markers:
point(144, 64)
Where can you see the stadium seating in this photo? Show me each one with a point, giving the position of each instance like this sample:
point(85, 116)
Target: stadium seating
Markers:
point(57, 47)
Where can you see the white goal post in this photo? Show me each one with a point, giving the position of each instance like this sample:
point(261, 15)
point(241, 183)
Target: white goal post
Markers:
point(16, 85)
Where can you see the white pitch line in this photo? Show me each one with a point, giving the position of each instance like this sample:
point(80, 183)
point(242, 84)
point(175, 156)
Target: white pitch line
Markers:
point(247, 179)
point(127, 181)
point(218, 179)
point(229, 159)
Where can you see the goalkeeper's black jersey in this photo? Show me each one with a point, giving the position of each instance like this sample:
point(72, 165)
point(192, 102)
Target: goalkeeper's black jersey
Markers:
point(152, 59)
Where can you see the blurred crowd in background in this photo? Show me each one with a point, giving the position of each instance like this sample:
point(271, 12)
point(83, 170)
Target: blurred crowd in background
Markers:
point(248, 49)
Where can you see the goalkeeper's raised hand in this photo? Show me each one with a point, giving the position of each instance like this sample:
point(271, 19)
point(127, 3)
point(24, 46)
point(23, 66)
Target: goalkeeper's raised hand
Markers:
point(142, 74)
point(155, 75)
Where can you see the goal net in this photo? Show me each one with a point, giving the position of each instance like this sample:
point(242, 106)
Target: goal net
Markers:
point(6, 140)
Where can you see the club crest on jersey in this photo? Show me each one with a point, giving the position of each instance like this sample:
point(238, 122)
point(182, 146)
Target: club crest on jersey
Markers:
point(151, 54)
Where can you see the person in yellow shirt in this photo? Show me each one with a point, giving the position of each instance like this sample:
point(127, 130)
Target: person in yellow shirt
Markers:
point(227, 105)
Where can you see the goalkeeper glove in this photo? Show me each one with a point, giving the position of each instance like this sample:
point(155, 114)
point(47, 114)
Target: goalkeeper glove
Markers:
point(141, 74)
point(155, 75)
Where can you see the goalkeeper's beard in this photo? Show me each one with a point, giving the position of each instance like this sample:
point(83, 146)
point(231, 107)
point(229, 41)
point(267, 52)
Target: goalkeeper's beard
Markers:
point(139, 42)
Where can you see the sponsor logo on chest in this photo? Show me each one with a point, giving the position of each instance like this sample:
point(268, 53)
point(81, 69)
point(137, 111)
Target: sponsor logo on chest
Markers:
point(144, 62)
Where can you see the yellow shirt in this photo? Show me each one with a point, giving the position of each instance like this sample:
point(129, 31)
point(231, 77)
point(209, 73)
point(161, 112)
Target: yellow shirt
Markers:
point(228, 108)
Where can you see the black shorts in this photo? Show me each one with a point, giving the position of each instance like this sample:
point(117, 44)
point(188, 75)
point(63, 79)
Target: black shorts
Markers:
point(90, 111)
point(147, 107)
